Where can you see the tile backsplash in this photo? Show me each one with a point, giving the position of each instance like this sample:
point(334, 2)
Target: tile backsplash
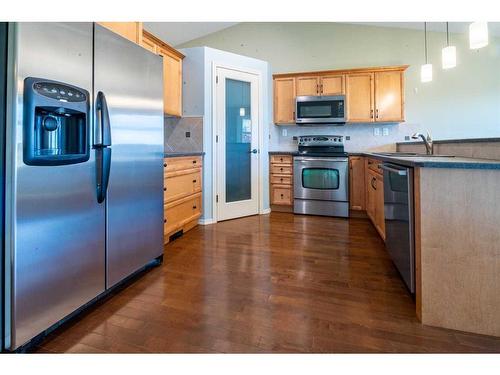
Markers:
point(361, 136)
point(183, 134)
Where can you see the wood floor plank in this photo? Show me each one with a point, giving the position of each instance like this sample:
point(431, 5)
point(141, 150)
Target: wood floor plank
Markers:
point(270, 283)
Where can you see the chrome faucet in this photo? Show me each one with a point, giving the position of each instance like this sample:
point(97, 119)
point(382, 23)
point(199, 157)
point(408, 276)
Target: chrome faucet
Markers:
point(429, 146)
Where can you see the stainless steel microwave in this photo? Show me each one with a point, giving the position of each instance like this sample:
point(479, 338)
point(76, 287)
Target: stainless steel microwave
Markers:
point(323, 110)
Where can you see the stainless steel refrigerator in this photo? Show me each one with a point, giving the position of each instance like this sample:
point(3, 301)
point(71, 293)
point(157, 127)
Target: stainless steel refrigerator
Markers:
point(84, 166)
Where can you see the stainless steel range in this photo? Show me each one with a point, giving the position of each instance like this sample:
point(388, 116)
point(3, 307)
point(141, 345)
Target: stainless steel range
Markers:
point(321, 176)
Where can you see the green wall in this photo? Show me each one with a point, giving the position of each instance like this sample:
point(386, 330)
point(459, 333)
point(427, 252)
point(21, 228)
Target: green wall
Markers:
point(463, 102)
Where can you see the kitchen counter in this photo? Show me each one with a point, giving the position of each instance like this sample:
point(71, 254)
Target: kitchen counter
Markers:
point(455, 162)
point(438, 161)
point(177, 154)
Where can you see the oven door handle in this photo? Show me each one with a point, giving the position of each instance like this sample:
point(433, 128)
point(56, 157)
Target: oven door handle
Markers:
point(342, 160)
point(390, 168)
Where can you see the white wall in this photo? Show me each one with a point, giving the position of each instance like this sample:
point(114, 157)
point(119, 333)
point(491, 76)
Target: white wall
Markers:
point(197, 101)
point(463, 102)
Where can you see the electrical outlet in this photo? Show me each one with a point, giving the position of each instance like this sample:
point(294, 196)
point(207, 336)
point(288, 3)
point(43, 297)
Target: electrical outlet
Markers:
point(284, 132)
point(407, 137)
point(385, 131)
point(347, 137)
point(376, 132)
point(188, 134)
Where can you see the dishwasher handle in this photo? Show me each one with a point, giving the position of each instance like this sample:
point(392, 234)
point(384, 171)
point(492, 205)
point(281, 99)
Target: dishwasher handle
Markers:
point(394, 169)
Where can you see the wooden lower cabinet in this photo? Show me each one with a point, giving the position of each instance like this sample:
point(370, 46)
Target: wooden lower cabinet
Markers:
point(357, 186)
point(375, 200)
point(182, 194)
point(281, 182)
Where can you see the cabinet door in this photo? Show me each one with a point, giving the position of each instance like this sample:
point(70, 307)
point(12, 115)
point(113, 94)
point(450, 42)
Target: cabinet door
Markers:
point(149, 44)
point(389, 96)
point(379, 205)
point(359, 89)
point(172, 83)
point(370, 196)
point(307, 86)
point(332, 85)
point(284, 100)
point(130, 30)
point(357, 188)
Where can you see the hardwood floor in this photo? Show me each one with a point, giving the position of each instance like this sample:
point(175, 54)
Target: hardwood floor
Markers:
point(273, 283)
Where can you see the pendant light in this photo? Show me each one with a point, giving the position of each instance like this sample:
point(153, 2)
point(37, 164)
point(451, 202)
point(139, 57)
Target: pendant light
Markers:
point(449, 53)
point(426, 69)
point(478, 35)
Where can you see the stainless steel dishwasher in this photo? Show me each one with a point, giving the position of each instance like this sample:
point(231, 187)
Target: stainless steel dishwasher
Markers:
point(399, 220)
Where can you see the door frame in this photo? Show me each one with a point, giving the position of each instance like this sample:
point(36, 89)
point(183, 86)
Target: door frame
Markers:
point(260, 136)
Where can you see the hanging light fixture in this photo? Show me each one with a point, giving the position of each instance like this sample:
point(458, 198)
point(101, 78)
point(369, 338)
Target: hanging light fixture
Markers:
point(449, 53)
point(478, 35)
point(426, 69)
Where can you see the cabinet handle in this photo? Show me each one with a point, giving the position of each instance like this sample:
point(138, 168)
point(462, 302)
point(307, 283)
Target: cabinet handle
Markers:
point(371, 113)
point(164, 164)
point(293, 115)
point(374, 180)
point(281, 169)
point(281, 195)
point(317, 88)
point(376, 113)
point(281, 159)
point(281, 179)
point(164, 221)
point(321, 88)
point(164, 189)
point(194, 161)
point(194, 181)
point(194, 207)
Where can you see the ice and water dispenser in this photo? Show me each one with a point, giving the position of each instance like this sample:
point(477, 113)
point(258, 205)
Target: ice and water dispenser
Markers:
point(56, 123)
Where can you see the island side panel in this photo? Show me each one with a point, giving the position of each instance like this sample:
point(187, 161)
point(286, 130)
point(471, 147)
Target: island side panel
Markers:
point(460, 249)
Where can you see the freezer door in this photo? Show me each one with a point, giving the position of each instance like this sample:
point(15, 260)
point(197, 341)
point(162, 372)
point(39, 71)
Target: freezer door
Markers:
point(131, 79)
point(55, 227)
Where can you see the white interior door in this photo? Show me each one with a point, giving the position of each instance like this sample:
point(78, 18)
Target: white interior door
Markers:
point(238, 155)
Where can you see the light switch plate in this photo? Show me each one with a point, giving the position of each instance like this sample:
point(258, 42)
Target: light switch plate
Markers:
point(376, 131)
point(385, 131)
point(284, 132)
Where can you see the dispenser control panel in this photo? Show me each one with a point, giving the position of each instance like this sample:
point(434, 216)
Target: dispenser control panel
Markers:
point(60, 92)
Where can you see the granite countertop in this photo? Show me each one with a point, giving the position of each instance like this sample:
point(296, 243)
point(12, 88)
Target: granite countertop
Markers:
point(174, 154)
point(444, 141)
point(423, 161)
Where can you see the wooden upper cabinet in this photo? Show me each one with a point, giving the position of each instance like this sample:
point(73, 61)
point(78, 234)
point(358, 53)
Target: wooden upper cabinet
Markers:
point(307, 86)
point(284, 101)
point(372, 94)
point(332, 85)
point(359, 97)
point(149, 43)
point(389, 96)
point(130, 30)
point(172, 80)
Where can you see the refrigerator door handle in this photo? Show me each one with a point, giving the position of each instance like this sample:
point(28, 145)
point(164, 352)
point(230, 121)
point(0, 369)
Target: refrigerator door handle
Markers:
point(102, 133)
point(103, 163)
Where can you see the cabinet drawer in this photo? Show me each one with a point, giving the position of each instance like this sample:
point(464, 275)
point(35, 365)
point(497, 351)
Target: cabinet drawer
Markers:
point(181, 212)
point(374, 165)
point(182, 162)
point(281, 169)
point(281, 180)
point(281, 159)
point(281, 195)
point(182, 185)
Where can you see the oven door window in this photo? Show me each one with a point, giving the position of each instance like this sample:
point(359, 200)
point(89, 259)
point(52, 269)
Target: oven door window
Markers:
point(320, 178)
point(321, 109)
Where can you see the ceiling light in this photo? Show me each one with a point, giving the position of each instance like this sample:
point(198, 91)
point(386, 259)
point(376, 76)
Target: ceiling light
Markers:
point(478, 35)
point(426, 69)
point(449, 53)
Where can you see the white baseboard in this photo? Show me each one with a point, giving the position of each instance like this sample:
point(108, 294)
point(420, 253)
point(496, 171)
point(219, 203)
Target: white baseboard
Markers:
point(266, 211)
point(206, 221)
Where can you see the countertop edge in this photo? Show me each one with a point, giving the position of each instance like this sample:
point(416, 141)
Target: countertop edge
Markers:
point(178, 154)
